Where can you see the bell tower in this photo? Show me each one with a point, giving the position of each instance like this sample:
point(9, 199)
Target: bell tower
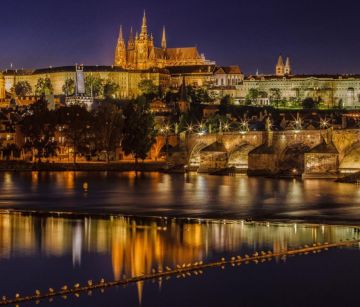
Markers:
point(142, 45)
point(287, 68)
point(280, 67)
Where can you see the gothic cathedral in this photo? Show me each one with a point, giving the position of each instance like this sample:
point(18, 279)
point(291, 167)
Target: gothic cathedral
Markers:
point(140, 53)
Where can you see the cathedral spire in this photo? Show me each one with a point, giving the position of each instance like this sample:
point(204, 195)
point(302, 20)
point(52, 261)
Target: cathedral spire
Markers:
point(121, 36)
point(144, 26)
point(120, 52)
point(131, 41)
point(163, 39)
point(287, 68)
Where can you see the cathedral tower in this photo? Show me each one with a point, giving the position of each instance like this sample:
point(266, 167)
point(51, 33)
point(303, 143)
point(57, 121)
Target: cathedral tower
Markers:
point(131, 41)
point(143, 46)
point(144, 34)
point(120, 52)
point(287, 68)
point(280, 67)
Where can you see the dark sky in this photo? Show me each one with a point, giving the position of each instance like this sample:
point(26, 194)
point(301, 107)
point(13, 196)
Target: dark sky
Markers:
point(320, 36)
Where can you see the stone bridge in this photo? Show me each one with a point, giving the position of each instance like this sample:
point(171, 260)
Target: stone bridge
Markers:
point(308, 152)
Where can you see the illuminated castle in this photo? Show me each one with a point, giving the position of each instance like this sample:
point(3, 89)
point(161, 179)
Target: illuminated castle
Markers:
point(140, 52)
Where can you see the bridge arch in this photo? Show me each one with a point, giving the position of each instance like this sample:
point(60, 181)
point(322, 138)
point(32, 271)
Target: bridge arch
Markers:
point(351, 159)
point(239, 156)
point(194, 156)
point(291, 159)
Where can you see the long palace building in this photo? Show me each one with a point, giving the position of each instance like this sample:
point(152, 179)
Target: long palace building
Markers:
point(137, 59)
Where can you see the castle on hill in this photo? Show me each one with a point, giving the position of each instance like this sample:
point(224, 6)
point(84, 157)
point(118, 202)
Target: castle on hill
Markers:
point(140, 53)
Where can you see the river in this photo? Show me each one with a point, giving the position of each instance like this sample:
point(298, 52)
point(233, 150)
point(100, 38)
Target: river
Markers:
point(65, 228)
point(191, 195)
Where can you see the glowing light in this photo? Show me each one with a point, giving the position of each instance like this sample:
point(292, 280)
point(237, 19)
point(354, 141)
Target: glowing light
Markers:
point(324, 123)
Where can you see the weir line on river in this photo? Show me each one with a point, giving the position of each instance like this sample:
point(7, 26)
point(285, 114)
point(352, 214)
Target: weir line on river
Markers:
point(196, 267)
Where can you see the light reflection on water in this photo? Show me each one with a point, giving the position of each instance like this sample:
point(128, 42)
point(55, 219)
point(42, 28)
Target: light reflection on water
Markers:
point(181, 195)
point(42, 251)
point(62, 249)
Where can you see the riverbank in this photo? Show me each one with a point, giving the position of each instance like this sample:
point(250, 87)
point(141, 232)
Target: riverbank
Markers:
point(353, 178)
point(22, 166)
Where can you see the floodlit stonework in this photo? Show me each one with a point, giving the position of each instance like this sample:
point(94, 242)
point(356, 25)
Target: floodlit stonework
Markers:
point(2, 86)
point(140, 52)
point(128, 81)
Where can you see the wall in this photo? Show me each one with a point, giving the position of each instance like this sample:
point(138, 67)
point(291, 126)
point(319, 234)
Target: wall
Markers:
point(127, 80)
point(2, 86)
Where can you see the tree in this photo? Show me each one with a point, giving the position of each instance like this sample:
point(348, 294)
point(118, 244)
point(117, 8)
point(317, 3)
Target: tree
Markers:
point(172, 97)
point(10, 150)
point(217, 122)
point(110, 89)
point(69, 87)
point(43, 87)
point(139, 129)
point(148, 88)
point(38, 128)
point(275, 96)
point(108, 125)
point(22, 88)
point(252, 95)
point(198, 95)
point(225, 102)
point(76, 122)
point(309, 103)
point(93, 86)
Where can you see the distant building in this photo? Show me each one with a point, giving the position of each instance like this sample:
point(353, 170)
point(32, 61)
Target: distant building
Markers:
point(282, 69)
point(227, 76)
point(329, 90)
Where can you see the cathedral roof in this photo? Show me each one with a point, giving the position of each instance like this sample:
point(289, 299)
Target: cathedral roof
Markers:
point(187, 53)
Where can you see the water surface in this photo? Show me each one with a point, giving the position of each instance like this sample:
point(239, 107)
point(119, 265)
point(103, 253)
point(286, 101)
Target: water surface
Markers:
point(190, 195)
point(40, 251)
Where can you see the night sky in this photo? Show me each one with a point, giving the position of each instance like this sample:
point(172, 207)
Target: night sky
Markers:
point(319, 36)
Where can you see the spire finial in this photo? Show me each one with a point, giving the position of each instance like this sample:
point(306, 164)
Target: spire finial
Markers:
point(144, 26)
point(163, 40)
point(121, 36)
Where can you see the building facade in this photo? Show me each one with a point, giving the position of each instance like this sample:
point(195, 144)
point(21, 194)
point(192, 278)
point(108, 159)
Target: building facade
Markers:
point(2, 86)
point(127, 80)
point(329, 90)
point(140, 52)
point(290, 89)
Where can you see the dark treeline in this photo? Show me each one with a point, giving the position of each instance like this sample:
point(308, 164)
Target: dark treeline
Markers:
point(88, 133)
